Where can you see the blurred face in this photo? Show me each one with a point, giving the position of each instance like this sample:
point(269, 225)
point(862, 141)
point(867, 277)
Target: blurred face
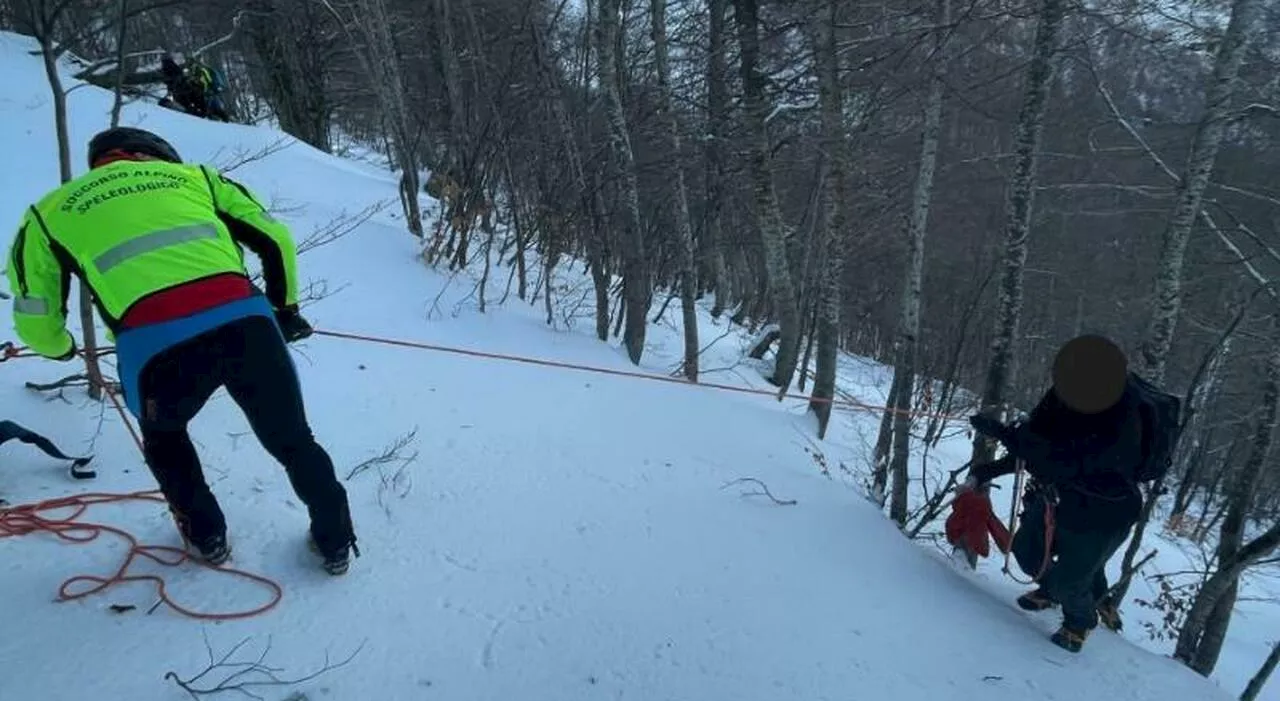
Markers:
point(1089, 374)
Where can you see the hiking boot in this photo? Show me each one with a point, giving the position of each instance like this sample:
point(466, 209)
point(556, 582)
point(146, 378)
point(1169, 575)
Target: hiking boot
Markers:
point(1070, 639)
point(1036, 600)
point(1109, 616)
point(337, 562)
point(215, 551)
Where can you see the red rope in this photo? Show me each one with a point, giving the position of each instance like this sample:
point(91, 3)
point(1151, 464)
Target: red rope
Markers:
point(1050, 524)
point(609, 371)
point(32, 518)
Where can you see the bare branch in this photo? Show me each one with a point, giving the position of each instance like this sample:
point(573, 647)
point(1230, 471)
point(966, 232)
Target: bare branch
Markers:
point(245, 676)
point(241, 157)
point(390, 454)
point(765, 492)
point(339, 226)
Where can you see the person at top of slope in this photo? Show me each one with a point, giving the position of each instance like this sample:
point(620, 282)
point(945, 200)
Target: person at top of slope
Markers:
point(159, 243)
point(1094, 436)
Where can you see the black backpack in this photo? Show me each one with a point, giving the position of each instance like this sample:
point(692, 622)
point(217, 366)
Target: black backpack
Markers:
point(1160, 412)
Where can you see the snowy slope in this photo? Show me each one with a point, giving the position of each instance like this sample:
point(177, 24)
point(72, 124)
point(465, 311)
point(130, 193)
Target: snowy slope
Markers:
point(561, 535)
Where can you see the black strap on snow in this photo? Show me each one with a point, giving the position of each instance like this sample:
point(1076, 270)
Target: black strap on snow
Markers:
point(11, 431)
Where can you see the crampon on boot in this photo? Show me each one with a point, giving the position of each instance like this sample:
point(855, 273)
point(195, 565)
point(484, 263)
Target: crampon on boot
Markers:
point(1070, 639)
point(1036, 600)
point(1109, 616)
point(213, 550)
point(335, 563)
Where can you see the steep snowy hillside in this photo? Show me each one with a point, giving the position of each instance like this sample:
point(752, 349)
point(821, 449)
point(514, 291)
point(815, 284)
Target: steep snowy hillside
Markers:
point(560, 534)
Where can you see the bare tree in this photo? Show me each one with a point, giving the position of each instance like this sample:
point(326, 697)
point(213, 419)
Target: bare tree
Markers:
point(636, 290)
point(1195, 179)
point(913, 276)
point(833, 209)
point(773, 231)
point(1202, 635)
point(683, 230)
point(1018, 209)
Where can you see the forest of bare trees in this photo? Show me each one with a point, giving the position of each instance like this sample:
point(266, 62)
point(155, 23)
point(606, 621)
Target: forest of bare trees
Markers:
point(952, 187)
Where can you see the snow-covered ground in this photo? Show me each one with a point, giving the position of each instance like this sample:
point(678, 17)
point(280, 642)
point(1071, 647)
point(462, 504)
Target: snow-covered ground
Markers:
point(559, 535)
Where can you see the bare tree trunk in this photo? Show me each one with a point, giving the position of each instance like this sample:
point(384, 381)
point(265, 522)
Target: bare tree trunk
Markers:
point(717, 115)
point(833, 210)
point(89, 330)
point(1191, 448)
point(769, 218)
point(1264, 673)
point(1018, 209)
point(635, 274)
point(884, 444)
point(913, 282)
point(1216, 587)
point(684, 232)
point(1154, 352)
point(1200, 640)
point(597, 250)
point(121, 45)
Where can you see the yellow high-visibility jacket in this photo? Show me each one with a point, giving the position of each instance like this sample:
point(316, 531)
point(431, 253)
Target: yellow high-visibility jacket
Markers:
point(131, 229)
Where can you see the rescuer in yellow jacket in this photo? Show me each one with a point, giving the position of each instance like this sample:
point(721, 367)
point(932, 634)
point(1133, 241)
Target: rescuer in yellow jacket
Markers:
point(159, 243)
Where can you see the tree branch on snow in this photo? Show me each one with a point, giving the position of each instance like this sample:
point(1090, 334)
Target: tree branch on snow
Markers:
point(339, 226)
point(80, 380)
point(391, 454)
point(248, 675)
point(317, 290)
point(241, 157)
point(764, 491)
point(392, 468)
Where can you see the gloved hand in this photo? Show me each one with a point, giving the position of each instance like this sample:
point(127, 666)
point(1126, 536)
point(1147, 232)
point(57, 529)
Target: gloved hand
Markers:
point(7, 351)
point(292, 325)
point(991, 428)
point(69, 355)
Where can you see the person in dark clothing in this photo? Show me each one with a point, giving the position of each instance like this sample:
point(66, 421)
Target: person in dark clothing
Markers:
point(185, 92)
point(194, 87)
point(1081, 446)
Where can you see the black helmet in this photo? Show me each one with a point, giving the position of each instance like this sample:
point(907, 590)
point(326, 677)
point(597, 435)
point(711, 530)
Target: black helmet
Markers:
point(131, 140)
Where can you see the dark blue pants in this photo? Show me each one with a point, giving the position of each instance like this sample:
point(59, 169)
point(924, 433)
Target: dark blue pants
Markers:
point(248, 357)
point(1077, 573)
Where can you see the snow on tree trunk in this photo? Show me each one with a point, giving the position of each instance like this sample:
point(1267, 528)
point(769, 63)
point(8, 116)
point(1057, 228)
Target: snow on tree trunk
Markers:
point(1200, 640)
point(833, 210)
point(635, 269)
point(712, 250)
point(684, 232)
point(1154, 352)
point(768, 217)
point(1018, 208)
point(913, 278)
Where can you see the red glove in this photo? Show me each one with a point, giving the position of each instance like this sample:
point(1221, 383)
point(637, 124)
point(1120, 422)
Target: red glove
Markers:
point(973, 523)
